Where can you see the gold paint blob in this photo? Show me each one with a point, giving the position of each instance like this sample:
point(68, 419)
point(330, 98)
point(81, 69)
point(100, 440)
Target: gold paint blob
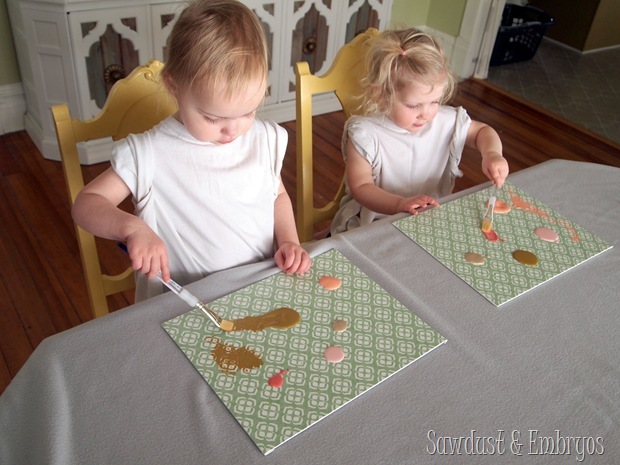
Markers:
point(230, 358)
point(474, 258)
point(525, 257)
point(280, 318)
point(340, 326)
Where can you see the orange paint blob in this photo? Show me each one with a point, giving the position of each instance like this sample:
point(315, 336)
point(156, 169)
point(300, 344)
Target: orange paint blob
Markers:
point(501, 207)
point(331, 283)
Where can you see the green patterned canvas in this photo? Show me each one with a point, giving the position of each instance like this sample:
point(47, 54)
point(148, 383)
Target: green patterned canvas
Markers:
point(382, 338)
point(453, 229)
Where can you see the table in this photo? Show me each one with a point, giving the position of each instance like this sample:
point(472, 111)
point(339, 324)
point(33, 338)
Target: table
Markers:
point(536, 381)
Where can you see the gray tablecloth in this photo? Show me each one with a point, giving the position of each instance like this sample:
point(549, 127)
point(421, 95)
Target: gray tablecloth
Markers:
point(534, 381)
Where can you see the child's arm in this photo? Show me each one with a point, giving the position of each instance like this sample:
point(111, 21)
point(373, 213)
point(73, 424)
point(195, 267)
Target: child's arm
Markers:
point(367, 193)
point(486, 140)
point(290, 256)
point(96, 210)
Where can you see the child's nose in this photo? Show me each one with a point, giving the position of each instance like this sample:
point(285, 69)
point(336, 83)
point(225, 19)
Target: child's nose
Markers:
point(424, 113)
point(230, 129)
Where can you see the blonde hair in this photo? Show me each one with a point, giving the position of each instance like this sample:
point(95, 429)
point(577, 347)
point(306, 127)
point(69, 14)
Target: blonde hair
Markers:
point(217, 45)
point(397, 58)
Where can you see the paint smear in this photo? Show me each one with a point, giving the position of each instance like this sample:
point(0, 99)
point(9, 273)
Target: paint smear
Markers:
point(230, 359)
point(331, 283)
point(547, 234)
point(525, 257)
point(277, 380)
point(573, 233)
point(280, 318)
point(334, 354)
point(521, 204)
point(340, 326)
point(492, 236)
point(474, 258)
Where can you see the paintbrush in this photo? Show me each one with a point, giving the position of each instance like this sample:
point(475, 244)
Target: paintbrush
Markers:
point(192, 301)
point(487, 220)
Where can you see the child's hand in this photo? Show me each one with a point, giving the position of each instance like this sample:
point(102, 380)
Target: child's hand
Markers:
point(495, 167)
point(148, 253)
point(292, 258)
point(413, 204)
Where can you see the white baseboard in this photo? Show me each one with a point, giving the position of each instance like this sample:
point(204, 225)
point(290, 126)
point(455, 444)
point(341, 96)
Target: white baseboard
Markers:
point(12, 108)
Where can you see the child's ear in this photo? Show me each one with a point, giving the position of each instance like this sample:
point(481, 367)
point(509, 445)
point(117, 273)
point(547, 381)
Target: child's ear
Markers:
point(170, 85)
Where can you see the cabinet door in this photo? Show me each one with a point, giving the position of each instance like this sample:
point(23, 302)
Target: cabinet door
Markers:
point(108, 45)
point(318, 28)
point(362, 14)
point(163, 17)
point(270, 13)
point(309, 36)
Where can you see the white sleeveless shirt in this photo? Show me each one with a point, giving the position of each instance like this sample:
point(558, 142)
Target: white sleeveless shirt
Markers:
point(212, 205)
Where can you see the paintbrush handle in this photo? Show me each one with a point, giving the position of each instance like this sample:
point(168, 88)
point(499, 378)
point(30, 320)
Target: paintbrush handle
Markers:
point(189, 298)
point(493, 196)
point(186, 296)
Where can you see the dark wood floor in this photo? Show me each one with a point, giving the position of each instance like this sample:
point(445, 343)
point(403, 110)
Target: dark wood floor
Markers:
point(41, 286)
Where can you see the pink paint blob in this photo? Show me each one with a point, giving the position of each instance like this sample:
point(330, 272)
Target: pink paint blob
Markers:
point(547, 234)
point(334, 354)
point(277, 380)
point(330, 283)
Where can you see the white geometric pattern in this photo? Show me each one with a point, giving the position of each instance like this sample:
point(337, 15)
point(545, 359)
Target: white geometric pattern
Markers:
point(453, 229)
point(382, 338)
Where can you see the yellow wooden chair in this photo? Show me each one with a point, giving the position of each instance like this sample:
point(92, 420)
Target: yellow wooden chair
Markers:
point(342, 78)
point(135, 103)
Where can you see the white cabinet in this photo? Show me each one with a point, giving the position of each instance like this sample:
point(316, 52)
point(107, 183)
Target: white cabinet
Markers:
point(73, 51)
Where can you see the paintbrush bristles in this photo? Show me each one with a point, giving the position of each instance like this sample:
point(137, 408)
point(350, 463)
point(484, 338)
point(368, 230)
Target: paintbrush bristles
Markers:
point(227, 325)
point(487, 221)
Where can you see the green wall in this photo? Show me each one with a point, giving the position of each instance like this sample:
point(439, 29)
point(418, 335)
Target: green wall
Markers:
point(442, 15)
point(9, 73)
point(446, 16)
point(409, 13)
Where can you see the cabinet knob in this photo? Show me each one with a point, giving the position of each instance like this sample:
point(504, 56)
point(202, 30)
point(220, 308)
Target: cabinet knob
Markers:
point(113, 73)
point(310, 46)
